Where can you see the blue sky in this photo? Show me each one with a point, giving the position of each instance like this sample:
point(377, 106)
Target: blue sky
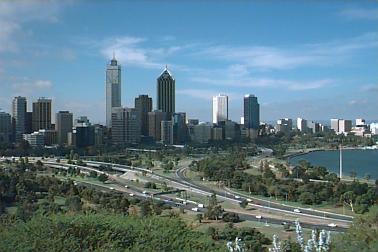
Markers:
point(310, 59)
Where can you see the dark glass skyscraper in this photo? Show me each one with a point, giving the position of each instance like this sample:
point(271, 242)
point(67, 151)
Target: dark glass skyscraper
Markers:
point(113, 89)
point(143, 105)
point(166, 92)
point(251, 112)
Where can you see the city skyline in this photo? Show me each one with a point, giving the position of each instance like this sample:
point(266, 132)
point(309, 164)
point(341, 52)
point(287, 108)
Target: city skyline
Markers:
point(316, 74)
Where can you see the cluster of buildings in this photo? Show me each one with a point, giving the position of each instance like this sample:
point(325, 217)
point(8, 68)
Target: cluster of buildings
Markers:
point(338, 126)
point(146, 123)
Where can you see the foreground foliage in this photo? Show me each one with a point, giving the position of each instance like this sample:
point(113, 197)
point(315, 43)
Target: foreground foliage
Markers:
point(103, 232)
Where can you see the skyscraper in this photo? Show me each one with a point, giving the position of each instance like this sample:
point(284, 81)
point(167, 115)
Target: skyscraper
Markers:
point(19, 116)
point(166, 92)
point(143, 105)
point(251, 112)
point(220, 108)
point(113, 89)
point(63, 125)
point(41, 118)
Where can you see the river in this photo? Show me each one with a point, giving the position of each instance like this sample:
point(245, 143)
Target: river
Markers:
point(363, 162)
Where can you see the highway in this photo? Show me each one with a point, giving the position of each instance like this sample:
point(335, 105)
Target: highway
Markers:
point(318, 219)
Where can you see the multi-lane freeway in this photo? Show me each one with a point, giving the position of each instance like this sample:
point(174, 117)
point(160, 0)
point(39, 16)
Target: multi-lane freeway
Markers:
point(275, 213)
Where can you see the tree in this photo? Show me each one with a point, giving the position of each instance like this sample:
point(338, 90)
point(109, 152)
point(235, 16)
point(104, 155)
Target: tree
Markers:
point(74, 203)
point(348, 198)
point(199, 217)
point(243, 203)
point(230, 217)
point(353, 174)
point(213, 210)
point(102, 177)
point(361, 236)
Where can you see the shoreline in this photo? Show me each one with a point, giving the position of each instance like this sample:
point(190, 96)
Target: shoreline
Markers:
point(304, 152)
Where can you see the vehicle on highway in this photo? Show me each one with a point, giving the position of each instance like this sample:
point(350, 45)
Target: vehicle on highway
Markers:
point(237, 197)
point(296, 210)
point(111, 188)
point(200, 205)
point(126, 186)
point(131, 194)
point(195, 209)
point(332, 225)
point(145, 192)
point(258, 217)
point(249, 200)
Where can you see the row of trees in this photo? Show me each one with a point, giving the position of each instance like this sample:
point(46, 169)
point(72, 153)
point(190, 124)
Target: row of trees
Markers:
point(228, 170)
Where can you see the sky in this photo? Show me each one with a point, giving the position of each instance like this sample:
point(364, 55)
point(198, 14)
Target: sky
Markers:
point(310, 59)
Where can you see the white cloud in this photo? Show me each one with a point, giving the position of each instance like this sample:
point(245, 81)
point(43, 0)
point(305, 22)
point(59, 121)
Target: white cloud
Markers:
point(267, 58)
point(370, 88)
point(26, 86)
point(369, 14)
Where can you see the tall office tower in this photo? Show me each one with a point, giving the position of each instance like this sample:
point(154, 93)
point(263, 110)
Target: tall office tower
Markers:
point(335, 125)
point(41, 118)
point(251, 112)
point(126, 126)
point(154, 124)
point(345, 126)
point(143, 105)
point(302, 125)
point(180, 130)
point(63, 125)
point(166, 92)
point(220, 108)
point(166, 132)
point(113, 89)
point(5, 127)
point(19, 116)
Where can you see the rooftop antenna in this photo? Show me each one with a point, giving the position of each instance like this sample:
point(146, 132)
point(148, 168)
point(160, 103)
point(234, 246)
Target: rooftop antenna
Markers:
point(113, 54)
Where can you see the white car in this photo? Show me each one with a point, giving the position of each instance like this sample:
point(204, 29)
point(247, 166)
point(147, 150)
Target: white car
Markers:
point(332, 225)
point(237, 197)
point(249, 200)
point(144, 192)
point(131, 194)
point(195, 209)
point(126, 186)
point(111, 188)
point(296, 210)
point(258, 217)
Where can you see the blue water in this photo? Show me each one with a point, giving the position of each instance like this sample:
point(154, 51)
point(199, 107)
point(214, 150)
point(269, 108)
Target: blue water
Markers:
point(361, 161)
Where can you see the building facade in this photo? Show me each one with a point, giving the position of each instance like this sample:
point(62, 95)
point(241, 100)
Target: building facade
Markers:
point(5, 127)
point(63, 125)
point(19, 106)
point(143, 105)
point(41, 117)
point(180, 130)
point(113, 89)
point(251, 112)
point(166, 132)
point(165, 87)
point(154, 124)
point(220, 108)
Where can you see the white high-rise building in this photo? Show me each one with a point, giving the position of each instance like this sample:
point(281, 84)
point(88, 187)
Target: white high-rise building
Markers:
point(302, 125)
point(220, 108)
point(113, 89)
